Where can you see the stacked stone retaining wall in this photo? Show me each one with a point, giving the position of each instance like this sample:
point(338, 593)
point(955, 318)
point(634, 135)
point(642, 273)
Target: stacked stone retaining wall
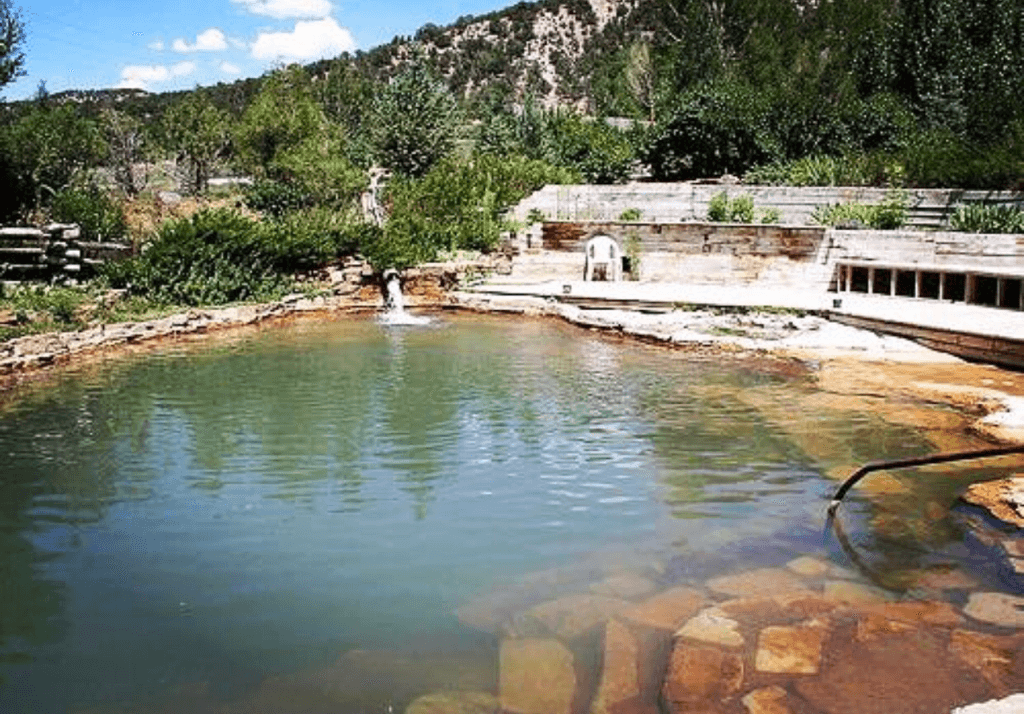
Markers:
point(52, 252)
point(682, 202)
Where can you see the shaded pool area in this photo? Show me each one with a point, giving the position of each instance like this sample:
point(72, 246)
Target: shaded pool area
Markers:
point(305, 518)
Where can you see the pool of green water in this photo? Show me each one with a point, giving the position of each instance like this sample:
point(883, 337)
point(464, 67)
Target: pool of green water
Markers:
point(219, 526)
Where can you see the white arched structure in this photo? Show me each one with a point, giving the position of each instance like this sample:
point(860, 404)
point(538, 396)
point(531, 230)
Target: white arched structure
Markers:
point(603, 259)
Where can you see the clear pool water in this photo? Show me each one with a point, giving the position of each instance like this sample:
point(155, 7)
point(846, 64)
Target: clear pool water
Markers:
point(294, 516)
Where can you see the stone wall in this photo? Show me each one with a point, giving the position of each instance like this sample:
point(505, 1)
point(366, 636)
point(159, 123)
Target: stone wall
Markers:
point(703, 253)
point(681, 202)
point(57, 250)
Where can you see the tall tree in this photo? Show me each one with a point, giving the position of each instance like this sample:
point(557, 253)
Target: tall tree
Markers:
point(198, 133)
point(415, 120)
point(12, 39)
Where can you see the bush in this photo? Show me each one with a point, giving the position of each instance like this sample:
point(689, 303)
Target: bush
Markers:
point(987, 218)
point(216, 256)
point(889, 214)
point(98, 215)
point(457, 205)
point(631, 214)
point(276, 198)
point(738, 210)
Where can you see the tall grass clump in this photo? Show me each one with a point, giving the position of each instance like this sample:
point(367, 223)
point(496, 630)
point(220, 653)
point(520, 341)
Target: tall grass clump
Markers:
point(889, 214)
point(987, 218)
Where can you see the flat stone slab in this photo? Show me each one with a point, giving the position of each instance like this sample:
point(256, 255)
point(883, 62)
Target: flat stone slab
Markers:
point(996, 608)
point(537, 676)
point(455, 703)
point(571, 616)
point(701, 676)
point(1003, 498)
point(791, 650)
point(767, 700)
point(667, 610)
point(714, 627)
point(1013, 704)
point(757, 583)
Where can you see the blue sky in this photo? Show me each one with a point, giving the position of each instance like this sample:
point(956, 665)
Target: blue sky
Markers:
point(178, 44)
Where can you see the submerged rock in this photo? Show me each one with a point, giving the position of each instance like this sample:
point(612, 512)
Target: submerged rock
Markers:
point(623, 688)
point(455, 703)
point(568, 617)
point(1003, 498)
point(767, 700)
point(700, 676)
point(537, 676)
point(757, 583)
point(713, 627)
point(667, 610)
point(791, 650)
point(808, 567)
point(996, 608)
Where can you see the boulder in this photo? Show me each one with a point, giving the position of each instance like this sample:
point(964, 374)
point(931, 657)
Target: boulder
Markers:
point(667, 610)
point(701, 677)
point(757, 583)
point(791, 650)
point(537, 676)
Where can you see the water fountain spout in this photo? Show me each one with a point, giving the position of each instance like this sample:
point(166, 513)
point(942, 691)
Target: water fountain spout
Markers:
point(394, 301)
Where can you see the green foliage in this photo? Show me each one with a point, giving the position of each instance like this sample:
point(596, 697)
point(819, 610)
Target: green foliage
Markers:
point(457, 205)
point(713, 130)
point(889, 214)
point(873, 169)
point(319, 168)
point(276, 198)
point(770, 215)
point(600, 153)
point(722, 209)
point(98, 215)
point(12, 40)
point(198, 132)
point(631, 214)
point(283, 116)
point(987, 218)
point(535, 215)
point(216, 256)
point(48, 307)
point(43, 152)
point(415, 119)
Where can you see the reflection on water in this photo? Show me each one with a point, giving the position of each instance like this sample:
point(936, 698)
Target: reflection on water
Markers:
point(302, 516)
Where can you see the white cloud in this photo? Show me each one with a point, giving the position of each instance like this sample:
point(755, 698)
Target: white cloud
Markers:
point(157, 45)
point(308, 41)
point(141, 76)
point(228, 68)
point(281, 9)
point(212, 40)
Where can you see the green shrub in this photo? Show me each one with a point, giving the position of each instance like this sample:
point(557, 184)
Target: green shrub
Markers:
point(98, 215)
point(631, 214)
point(216, 256)
point(889, 214)
point(770, 215)
point(276, 198)
point(987, 218)
point(722, 209)
point(457, 205)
